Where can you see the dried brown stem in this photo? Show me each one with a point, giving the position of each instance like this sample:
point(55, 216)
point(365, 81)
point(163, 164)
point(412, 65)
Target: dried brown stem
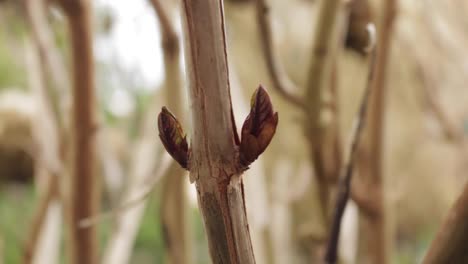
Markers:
point(319, 58)
point(214, 161)
point(334, 128)
point(374, 224)
point(347, 171)
point(280, 79)
point(449, 244)
point(83, 188)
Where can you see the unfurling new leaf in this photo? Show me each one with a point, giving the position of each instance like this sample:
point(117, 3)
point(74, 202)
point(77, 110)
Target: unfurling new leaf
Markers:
point(259, 127)
point(173, 137)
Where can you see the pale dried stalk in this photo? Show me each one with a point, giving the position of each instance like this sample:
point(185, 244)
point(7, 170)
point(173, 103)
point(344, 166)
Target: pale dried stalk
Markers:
point(320, 57)
point(213, 162)
point(131, 210)
point(281, 81)
point(39, 220)
point(48, 246)
point(376, 245)
point(174, 205)
point(47, 158)
point(54, 68)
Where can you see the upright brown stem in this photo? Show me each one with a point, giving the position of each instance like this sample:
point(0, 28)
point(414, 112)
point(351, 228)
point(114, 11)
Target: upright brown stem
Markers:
point(83, 189)
point(373, 171)
point(217, 156)
point(313, 128)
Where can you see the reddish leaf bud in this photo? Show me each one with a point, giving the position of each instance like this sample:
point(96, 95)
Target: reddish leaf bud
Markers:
point(173, 137)
point(259, 127)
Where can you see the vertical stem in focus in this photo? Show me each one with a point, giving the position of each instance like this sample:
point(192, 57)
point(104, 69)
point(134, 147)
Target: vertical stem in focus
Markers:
point(214, 161)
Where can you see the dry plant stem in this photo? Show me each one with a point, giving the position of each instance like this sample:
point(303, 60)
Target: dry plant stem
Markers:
point(39, 217)
point(36, 14)
point(375, 223)
point(347, 172)
point(48, 161)
point(280, 79)
point(83, 189)
point(334, 127)
point(331, 142)
point(320, 55)
point(130, 202)
point(449, 244)
point(145, 175)
point(174, 198)
point(214, 165)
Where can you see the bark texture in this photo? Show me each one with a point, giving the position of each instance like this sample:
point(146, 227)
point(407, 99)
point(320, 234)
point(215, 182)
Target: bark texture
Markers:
point(214, 160)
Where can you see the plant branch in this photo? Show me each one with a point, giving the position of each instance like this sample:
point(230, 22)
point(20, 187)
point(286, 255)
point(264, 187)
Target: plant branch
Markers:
point(217, 156)
point(280, 79)
point(348, 169)
point(49, 56)
point(83, 188)
point(313, 126)
point(46, 153)
point(449, 244)
point(374, 230)
point(39, 218)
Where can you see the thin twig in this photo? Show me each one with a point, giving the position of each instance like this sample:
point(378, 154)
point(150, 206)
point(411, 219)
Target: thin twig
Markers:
point(131, 203)
point(347, 169)
point(280, 79)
